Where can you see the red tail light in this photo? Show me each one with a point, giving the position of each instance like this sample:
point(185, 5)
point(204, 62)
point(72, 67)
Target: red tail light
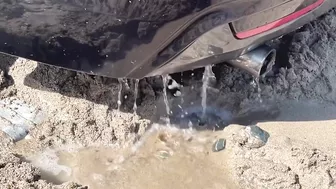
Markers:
point(279, 22)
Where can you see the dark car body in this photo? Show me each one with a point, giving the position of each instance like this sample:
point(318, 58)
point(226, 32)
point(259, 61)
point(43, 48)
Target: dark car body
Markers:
point(141, 38)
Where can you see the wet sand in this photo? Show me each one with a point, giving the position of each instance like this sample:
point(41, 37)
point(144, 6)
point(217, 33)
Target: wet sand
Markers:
point(166, 158)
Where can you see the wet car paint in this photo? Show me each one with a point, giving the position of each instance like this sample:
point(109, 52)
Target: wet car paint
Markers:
point(269, 15)
point(132, 38)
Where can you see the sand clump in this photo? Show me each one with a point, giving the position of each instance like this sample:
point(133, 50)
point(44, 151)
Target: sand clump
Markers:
point(80, 110)
point(311, 56)
point(280, 163)
point(71, 120)
point(22, 175)
point(17, 173)
point(311, 63)
point(284, 163)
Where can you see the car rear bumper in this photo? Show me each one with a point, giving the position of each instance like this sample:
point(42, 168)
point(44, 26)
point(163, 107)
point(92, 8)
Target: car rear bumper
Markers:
point(137, 39)
point(220, 45)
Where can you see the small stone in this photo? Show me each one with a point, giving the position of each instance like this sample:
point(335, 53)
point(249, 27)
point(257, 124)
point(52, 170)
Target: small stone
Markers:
point(219, 145)
point(252, 137)
point(163, 154)
point(257, 132)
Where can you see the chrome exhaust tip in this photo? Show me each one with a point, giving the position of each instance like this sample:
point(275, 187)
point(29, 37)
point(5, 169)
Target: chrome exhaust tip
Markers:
point(257, 62)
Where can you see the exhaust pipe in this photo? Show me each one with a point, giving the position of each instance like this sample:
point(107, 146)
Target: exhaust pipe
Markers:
point(257, 62)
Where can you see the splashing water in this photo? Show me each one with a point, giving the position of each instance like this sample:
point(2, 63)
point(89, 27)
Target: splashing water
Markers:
point(119, 92)
point(206, 78)
point(165, 97)
point(259, 92)
point(160, 150)
point(256, 84)
point(126, 83)
point(136, 89)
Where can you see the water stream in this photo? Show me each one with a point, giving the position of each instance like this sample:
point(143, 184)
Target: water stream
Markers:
point(126, 84)
point(256, 84)
point(136, 89)
point(207, 75)
point(165, 97)
point(182, 98)
point(119, 92)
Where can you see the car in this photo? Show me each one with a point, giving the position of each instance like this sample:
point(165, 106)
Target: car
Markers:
point(143, 38)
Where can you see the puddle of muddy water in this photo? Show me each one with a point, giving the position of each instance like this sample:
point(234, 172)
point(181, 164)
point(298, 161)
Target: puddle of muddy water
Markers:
point(165, 158)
